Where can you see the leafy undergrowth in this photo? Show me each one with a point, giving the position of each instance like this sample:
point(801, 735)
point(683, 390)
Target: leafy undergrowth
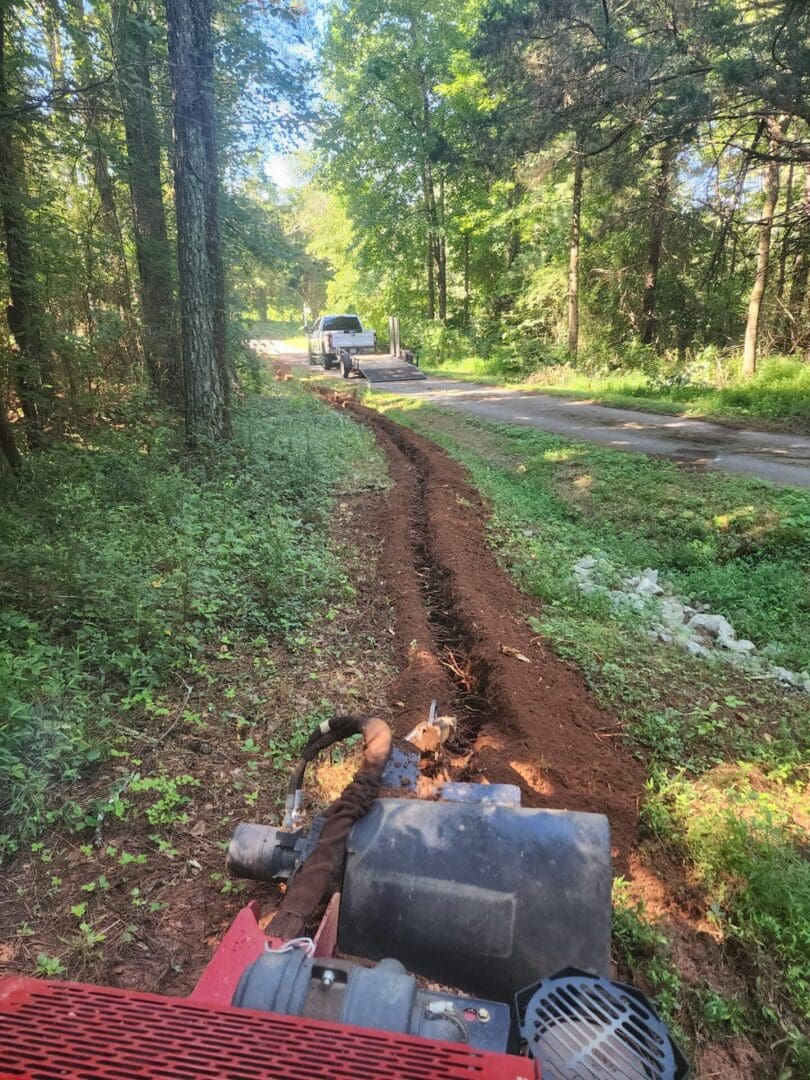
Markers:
point(777, 397)
point(193, 626)
point(125, 562)
point(725, 749)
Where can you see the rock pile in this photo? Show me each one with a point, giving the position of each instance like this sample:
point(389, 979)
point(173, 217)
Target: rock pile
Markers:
point(672, 622)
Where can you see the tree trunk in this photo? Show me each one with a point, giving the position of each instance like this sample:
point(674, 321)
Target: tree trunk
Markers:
point(441, 254)
point(441, 277)
point(24, 312)
point(784, 246)
point(93, 110)
point(437, 281)
point(153, 250)
point(573, 256)
point(8, 445)
point(196, 186)
point(466, 313)
point(649, 319)
point(749, 363)
point(431, 280)
point(800, 272)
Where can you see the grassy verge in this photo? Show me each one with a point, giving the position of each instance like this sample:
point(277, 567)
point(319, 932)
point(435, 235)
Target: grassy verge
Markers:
point(173, 631)
point(777, 398)
point(288, 332)
point(126, 565)
point(727, 786)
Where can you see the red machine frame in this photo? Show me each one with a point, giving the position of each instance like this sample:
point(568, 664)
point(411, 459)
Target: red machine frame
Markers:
point(73, 1031)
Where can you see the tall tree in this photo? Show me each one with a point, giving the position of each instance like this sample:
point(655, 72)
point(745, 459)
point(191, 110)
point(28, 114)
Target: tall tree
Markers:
point(390, 146)
point(658, 216)
point(800, 272)
point(133, 58)
point(197, 193)
point(25, 311)
point(573, 252)
point(771, 188)
point(94, 106)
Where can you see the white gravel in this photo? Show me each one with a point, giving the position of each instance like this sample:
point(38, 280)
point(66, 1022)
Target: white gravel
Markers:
point(672, 622)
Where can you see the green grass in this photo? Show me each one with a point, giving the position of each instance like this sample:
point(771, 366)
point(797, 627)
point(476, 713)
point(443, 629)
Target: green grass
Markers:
point(124, 562)
point(777, 397)
point(738, 545)
point(278, 330)
point(726, 752)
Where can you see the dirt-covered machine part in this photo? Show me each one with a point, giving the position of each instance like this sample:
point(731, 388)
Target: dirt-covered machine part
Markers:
point(467, 888)
point(486, 898)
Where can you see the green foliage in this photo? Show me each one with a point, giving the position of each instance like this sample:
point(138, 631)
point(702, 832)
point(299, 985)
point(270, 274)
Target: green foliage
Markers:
point(452, 142)
point(123, 561)
point(167, 808)
point(741, 835)
point(49, 966)
point(710, 385)
point(741, 546)
point(644, 949)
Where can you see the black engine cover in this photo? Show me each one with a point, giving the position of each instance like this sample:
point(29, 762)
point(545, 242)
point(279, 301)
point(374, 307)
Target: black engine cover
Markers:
point(488, 899)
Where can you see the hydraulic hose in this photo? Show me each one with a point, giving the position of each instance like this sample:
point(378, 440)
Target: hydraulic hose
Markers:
point(308, 888)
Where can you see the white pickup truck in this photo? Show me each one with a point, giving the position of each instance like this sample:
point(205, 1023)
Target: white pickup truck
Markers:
point(333, 332)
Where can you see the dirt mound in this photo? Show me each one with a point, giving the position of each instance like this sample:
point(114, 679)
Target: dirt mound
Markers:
point(463, 638)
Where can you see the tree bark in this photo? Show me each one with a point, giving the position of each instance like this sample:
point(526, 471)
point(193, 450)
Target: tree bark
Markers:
point(800, 272)
point(784, 245)
point(771, 184)
point(24, 312)
point(196, 185)
point(573, 255)
point(154, 256)
point(466, 312)
point(649, 319)
point(434, 209)
point(93, 108)
point(441, 254)
point(8, 445)
point(431, 280)
point(441, 277)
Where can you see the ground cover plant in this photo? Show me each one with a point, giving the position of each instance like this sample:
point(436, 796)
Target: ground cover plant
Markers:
point(171, 654)
point(724, 818)
point(123, 558)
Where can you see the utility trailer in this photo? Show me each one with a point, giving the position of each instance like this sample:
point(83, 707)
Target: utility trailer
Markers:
point(397, 365)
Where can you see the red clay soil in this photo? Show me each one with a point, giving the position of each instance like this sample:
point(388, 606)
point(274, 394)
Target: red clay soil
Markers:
point(536, 724)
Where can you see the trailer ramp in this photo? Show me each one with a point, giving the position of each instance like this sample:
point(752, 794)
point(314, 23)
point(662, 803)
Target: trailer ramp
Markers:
point(388, 369)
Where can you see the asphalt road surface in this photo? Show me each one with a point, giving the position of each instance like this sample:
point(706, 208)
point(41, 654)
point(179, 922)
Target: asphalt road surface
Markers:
point(782, 459)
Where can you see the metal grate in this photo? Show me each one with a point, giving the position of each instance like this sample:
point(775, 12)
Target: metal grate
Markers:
point(69, 1031)
point(580, 1027)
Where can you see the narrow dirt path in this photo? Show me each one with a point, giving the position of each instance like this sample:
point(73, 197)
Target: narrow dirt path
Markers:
point(525, 716)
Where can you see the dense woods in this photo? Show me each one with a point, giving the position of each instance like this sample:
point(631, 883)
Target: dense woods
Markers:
point(130, 139)
point(627, 183)
point(559, 184)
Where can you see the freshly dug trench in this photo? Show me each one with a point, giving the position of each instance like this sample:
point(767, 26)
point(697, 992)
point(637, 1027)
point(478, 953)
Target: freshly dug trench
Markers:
point(462, 638)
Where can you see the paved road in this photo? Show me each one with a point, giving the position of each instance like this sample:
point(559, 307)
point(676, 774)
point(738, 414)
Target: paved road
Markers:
point(782, 459)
